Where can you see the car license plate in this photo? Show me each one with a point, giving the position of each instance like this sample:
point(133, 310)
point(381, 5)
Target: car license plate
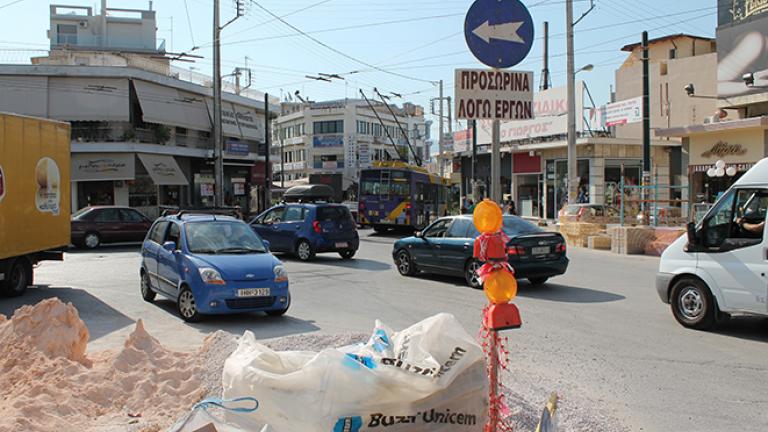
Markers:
point(544, 250)
point(342, 245)
point(253, 292)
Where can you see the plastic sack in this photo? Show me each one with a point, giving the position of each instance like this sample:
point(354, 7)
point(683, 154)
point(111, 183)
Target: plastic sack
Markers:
point(206, 416)
point(430, 376)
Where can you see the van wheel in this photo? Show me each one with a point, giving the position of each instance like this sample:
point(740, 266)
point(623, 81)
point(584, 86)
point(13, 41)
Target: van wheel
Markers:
point(692, 304)
point(18, 278)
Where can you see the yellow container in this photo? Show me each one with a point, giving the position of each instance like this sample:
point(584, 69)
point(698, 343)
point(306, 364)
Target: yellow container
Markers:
point(34, 185)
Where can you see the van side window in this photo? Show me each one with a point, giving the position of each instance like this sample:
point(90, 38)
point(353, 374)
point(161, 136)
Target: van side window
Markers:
point(750, 212)
point(718, 224)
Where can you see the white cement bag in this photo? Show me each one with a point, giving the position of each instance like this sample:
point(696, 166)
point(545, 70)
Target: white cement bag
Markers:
point(430, 376)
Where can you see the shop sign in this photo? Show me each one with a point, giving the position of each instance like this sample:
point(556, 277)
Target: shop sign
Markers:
point(238, 188)
point(462, 140)
point(2, 184)
point(103, 167)
point(364, 150)
point(493, 94)
point(350, 155)
point(237, 148)
point(448, 143)
point(734, 11)
point(723, 149)
point(328, 141)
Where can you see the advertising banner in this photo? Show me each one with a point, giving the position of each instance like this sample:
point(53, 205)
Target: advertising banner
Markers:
point(624, 112)
point(364, 150)
point(462, 141)
point(493, 94)
point(549, 107)
point(738, 11)
point(237, 148)
point(350, 153)
point(742, 51)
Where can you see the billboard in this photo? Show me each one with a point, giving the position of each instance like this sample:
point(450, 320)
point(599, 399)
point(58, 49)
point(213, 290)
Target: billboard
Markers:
point(742, 49)
point(738, 11)
point(550, 108)
point(326, 141)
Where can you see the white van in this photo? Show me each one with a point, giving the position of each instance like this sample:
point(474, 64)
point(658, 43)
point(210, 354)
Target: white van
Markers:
point(721, 267)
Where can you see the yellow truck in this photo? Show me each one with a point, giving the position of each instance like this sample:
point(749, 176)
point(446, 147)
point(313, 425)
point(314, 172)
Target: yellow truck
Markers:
point(34, 197)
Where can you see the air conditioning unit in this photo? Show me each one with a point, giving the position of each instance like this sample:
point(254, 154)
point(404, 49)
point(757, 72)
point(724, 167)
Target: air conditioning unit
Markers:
point(83, 24)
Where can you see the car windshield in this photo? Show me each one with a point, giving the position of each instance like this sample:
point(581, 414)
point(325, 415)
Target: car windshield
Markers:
point(222, 238)
point(513, 227)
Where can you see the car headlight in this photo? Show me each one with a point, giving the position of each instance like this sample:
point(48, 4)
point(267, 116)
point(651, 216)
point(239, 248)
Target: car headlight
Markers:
point(211, 276)
point(281, 274)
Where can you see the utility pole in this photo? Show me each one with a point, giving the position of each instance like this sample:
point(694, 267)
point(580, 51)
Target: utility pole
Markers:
point(571, 71)
point(646, 121)
point(267, 167)
point(545, 70)
point(496, 162)
point(474, 157)
point(218, 137)
point(440, 160)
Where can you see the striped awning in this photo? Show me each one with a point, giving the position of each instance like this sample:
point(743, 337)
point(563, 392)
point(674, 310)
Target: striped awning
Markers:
point(740, 167)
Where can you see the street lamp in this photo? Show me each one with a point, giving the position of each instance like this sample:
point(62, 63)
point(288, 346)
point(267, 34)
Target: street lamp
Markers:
point(586, 68)
point(719, 170)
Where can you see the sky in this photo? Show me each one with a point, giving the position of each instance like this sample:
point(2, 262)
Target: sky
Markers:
point(399, 46)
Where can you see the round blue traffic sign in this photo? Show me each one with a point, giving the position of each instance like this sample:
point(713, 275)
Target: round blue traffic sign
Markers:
point(499, 32)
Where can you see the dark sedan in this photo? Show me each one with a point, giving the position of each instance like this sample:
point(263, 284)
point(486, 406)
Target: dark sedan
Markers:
point(446, 247)
point(94, 226)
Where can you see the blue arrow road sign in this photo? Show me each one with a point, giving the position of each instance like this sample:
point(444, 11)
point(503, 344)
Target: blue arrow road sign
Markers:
point(499, 32)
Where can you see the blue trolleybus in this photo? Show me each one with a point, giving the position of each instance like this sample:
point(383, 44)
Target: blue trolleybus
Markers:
point(397, 195)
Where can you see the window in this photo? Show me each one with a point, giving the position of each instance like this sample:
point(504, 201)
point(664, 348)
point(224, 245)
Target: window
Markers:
point(181, 131)
point(66, 34)
point(333, 213)
point(294, 214)
point(107, 215)
point(131, 216)
point(718, 224)
point(460, 228)
point(174, 235)
point(438, 229)
point(750, 212)
point(329, 127)
point(158, 232)
point(275, 216)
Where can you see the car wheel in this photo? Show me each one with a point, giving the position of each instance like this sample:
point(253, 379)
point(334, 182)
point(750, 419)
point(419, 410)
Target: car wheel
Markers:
point(405, 264)
point(187, 306)
point(347, 254)
point(146, 289)
point(470, 274)
point(92, 240)
point(538, 280)
point(304, 250)
point(280, 312)
point(18, 278)
point(692, 304)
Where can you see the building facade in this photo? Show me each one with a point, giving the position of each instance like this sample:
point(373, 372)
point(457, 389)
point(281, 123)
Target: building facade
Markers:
point(141, 137)
point(333, 140)
point(737, 132)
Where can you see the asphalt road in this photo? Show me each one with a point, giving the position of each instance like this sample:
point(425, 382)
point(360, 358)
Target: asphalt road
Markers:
point(599, 333)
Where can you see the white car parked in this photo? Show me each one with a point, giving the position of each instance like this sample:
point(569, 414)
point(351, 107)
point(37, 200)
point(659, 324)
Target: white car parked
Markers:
point(721, 267)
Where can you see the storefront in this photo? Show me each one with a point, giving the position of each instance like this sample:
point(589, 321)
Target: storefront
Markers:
point(738, 143)
point(117, 179)
point(526, 169)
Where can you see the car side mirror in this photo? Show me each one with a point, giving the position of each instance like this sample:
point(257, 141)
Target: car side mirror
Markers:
point(692, 240)
point(418, 234)
point(169, 246)
point(266, 244)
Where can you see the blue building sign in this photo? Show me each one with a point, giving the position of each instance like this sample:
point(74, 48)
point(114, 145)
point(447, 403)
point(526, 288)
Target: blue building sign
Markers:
point(237, 148)
point(327, 141)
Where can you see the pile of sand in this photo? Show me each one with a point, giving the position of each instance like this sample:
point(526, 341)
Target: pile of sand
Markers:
point(47, 382)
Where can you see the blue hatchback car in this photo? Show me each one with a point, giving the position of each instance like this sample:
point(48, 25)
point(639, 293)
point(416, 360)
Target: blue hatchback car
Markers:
point(211, 264)
point(306, 229)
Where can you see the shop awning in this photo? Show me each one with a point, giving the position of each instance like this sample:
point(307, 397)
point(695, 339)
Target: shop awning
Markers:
point(88, 99)
point(163, 169)
point(103, 166)
point(238, 121)
point(166, 105)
